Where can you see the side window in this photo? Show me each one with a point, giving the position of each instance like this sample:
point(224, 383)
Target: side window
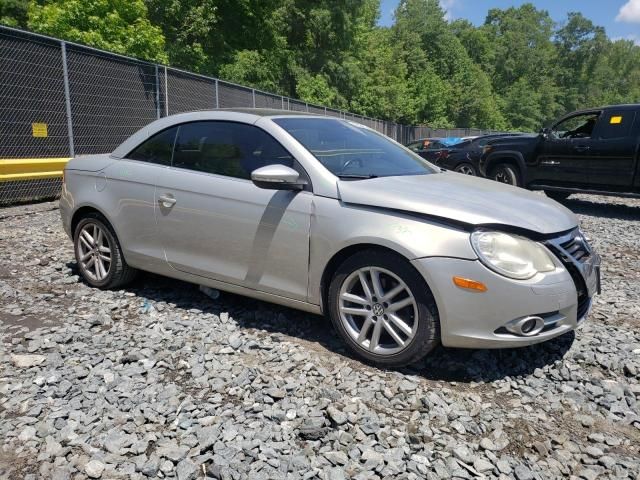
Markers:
point(227, 148)
point(615, 124)
point(415, 146)
point(578, 126)
point(156, 149)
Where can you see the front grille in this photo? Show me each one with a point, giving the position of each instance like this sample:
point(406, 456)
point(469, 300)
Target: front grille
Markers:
point(577, 248)
point(572, 252)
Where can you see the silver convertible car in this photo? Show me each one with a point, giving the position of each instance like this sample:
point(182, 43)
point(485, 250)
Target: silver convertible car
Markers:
point(329, 216)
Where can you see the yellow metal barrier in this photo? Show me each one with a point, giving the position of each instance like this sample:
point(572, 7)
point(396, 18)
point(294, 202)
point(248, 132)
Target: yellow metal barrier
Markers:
point(31, 168)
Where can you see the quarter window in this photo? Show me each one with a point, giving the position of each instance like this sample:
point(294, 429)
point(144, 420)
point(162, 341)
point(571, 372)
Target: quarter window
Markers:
point(227, 148)
point(157, 149)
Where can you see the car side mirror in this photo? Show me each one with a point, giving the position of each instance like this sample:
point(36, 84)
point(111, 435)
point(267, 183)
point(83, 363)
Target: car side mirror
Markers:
point(277, 177)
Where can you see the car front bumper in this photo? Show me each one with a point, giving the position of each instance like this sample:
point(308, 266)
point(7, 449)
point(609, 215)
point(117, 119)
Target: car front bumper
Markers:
point(472, 319)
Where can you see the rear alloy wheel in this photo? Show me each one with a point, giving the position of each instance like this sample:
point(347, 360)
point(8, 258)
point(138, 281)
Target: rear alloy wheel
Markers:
point(383, 309)
point(99, 255)
point(506, 173)
point(466, 169)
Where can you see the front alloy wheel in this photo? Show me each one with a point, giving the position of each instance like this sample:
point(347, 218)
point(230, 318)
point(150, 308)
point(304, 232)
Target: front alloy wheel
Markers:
point(378, 311)
point(506, 173)
point(383, 309)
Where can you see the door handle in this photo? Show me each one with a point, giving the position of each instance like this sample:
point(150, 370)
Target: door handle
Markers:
point(581, 148)
point(166, 200)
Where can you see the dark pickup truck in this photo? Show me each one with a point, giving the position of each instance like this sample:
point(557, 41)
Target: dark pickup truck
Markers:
point(590, 151)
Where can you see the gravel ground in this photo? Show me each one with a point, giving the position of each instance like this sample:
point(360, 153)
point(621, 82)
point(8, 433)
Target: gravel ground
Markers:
point(159, 380)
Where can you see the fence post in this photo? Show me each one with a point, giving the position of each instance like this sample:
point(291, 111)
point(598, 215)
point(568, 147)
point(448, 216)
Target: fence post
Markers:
point(157, 93)
point(217, 95)
point(282, 100)
point(166, 93)
point(253, 97)
point(325, 111)
point(67, 98)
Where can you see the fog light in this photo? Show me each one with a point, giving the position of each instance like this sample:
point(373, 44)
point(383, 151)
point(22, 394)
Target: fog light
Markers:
point(526, 327)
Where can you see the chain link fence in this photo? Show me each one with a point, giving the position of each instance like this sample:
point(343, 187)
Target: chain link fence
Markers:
point(59, 100)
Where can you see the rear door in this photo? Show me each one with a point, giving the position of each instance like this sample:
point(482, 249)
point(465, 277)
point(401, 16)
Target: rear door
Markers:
point(613, 150)
point(567, 151)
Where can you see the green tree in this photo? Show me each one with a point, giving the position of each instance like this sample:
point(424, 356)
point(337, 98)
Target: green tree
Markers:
point(525, 61)
point(14, 13)
point(378, 86)
point(429, 43)
point(581, 47)
point(186, 26)
point(119, 26)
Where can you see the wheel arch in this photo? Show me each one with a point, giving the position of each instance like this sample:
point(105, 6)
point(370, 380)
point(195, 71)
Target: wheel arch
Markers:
point(510, 157)
point(82, 211)
point(341, 255)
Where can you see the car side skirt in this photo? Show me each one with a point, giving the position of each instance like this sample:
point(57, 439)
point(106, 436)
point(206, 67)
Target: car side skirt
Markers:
point(166, 270)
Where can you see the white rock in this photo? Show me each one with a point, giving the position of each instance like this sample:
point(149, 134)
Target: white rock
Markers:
point(27, 361)
point(94, 469)
point(29, 433)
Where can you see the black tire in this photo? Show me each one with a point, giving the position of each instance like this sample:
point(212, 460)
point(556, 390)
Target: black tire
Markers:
point(118, 273)
point(466, 169)
point(427, 331)
point(557, 196)
point(506, 173)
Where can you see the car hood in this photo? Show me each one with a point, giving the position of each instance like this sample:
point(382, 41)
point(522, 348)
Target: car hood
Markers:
point(461, 199)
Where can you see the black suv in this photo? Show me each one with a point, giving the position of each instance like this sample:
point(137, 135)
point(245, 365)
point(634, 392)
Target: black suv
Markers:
point(590, 151)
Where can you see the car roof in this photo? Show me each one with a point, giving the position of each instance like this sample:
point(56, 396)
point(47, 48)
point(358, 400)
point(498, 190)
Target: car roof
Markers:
point(622, 106)
point(245, 115)
point(266, 112)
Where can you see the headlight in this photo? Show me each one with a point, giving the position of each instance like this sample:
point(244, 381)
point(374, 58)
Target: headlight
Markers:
point(510, 255)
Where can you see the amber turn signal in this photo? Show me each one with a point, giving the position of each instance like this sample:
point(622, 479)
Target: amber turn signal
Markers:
point(469, 284)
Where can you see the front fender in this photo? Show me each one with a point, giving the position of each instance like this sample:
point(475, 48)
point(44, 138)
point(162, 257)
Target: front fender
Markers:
point(410, 236)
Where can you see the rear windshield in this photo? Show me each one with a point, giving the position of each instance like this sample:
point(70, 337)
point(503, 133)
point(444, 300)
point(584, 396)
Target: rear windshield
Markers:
point(350, 150)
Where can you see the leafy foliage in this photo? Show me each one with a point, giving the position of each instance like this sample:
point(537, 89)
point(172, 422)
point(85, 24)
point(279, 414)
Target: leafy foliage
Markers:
point(14, 13)
point(518, 70)
point(120, 26)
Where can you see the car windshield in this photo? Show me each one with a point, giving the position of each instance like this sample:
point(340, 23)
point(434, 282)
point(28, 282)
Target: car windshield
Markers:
point(350, 150)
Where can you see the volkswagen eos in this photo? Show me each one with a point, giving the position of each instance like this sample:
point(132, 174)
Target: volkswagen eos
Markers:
point(328, 216)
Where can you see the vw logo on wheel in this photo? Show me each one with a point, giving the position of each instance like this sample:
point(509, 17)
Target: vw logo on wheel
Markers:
point(377, 309)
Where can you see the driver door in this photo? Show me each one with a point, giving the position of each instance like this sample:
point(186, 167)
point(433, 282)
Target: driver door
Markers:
point(214, 222)
point(566, 152)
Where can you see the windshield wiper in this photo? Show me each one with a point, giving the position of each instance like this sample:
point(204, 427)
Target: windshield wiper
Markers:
point(356, 176)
